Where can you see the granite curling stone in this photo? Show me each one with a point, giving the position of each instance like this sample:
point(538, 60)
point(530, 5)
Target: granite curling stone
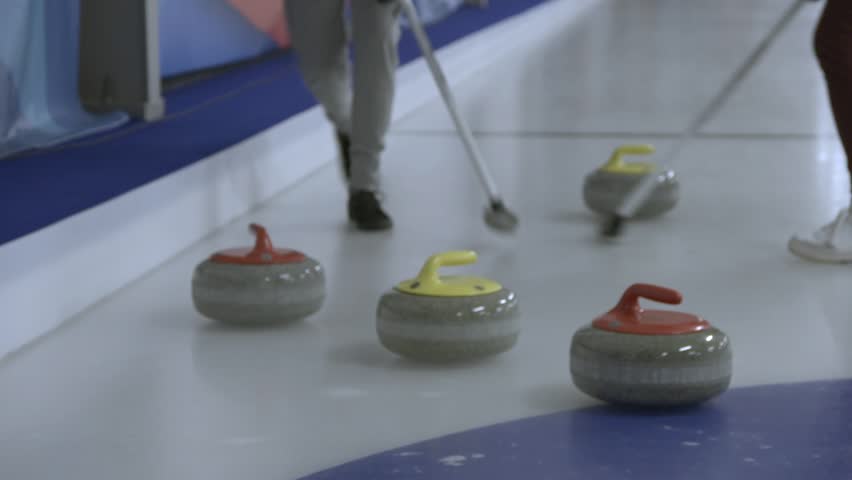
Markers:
point(607, 187)
point(650, 358)
point(258, 286)
point(443, 319)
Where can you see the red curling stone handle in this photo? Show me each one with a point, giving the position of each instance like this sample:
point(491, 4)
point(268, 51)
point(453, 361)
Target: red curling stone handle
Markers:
point(628, 307)
point(262, 242)
point(262, 253)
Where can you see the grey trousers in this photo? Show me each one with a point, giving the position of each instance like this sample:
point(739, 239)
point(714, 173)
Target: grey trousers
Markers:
point(319, 38)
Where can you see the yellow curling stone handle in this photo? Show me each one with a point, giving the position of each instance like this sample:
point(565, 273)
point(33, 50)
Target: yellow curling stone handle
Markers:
point(429, 283)
point(616, 163)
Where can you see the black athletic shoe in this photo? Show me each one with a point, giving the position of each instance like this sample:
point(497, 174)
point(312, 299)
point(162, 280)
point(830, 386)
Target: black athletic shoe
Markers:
point(366, 212)
point(345, 160)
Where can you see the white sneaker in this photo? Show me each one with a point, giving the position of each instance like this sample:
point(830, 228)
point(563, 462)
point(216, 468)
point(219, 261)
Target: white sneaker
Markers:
point(832, 243)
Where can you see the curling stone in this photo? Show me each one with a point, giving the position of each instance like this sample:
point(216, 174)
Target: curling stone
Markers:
point(650, 358)
point(607, 187)
point(450, 318)
point(260, 285)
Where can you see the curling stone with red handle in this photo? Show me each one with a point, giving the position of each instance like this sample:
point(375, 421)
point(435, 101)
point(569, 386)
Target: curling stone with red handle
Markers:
point(439, 319)
point(650, 358)
point(260, 285)
point(606, 188)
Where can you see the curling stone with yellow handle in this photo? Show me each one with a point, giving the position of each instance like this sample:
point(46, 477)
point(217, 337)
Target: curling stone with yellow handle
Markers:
point(260, 285)
point(607, 187)
point(435, 318)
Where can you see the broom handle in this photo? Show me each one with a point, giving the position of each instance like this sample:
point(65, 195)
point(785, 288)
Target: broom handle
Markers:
point(449, 100)
point(640, 194)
